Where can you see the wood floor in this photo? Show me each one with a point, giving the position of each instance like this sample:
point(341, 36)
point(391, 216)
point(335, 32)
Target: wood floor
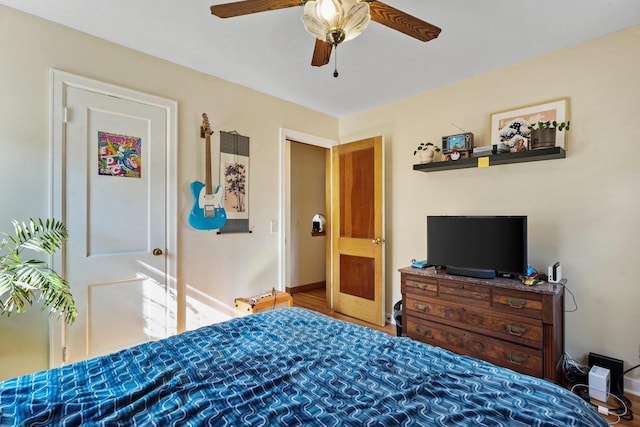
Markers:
point(315, 300)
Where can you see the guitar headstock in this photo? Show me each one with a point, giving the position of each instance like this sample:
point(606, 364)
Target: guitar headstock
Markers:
point(205, 127)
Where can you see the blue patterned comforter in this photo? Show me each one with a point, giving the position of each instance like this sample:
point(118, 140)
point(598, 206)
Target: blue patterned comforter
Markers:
point(290, 367)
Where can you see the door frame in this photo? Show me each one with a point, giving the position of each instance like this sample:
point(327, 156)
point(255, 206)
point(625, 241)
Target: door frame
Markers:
point(59, 82)
point(287, 135)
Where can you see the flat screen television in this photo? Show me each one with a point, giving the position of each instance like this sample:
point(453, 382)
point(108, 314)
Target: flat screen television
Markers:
point(478, 246)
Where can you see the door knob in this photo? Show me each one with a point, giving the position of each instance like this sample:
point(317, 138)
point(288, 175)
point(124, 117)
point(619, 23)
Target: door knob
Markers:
point(377, 240)
point(157, 252)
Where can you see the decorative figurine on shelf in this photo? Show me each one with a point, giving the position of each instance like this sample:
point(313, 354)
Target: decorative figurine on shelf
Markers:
point(426, 152)
point(518, 143)
point(454, 155)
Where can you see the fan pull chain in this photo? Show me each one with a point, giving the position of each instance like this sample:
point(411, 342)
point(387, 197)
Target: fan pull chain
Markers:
point(335, 59)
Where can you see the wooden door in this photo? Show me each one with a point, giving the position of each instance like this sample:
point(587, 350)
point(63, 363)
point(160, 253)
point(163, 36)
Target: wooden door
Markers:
point(357, 230)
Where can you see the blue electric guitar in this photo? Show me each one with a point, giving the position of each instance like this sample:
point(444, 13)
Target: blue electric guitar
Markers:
point(207, 212)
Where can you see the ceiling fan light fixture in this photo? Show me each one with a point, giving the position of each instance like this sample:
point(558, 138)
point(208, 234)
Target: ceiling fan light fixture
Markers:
point(335, 21)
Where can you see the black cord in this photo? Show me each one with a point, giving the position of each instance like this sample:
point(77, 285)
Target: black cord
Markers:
point(629, 370)
point(573, 373)
point(621, 378)
point(623, 411)
point(629, 414)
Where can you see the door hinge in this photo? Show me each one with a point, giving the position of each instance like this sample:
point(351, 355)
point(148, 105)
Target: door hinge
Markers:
point(65, 354)
point(65, 115)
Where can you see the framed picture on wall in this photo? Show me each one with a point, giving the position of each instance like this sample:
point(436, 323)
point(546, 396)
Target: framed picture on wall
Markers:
point(514, 123)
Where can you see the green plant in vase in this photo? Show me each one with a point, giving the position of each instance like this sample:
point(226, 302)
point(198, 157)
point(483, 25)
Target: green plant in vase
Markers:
point(23, 281)
point(426, 152)
point(543, 134)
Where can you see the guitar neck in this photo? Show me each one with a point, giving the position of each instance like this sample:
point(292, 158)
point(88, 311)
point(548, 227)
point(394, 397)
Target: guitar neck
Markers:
point(208, 184)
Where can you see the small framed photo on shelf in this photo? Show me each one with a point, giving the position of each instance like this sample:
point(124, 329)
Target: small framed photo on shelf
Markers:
point(512, 126)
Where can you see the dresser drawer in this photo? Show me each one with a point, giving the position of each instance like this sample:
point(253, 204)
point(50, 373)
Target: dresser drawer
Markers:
point(526, 304)
point(466, 293)
point(420, 286)
point(517, 329)
point(519, 358)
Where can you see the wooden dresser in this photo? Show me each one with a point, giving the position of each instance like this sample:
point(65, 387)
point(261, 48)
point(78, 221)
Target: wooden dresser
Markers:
point(498, 320)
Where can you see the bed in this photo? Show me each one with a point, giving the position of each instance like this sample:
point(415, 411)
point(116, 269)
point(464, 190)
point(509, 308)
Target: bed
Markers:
point(289, 367)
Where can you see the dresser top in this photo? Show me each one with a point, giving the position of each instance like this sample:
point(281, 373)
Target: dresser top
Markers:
point(499, 282)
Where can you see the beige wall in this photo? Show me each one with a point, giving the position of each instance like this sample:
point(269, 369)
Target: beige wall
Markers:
point(307, 263)
point(213, 268)
point(583, 210)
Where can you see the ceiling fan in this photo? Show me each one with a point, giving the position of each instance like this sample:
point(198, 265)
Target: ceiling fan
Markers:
point(335, 21)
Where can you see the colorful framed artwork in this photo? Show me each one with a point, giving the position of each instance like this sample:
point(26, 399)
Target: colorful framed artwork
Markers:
point(512, 126)
point(119, 155)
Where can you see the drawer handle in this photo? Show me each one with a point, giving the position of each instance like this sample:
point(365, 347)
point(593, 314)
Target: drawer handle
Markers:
point(515, 330)
point(516, 303)
point(517, 360)
point(423, 331)
point(423, 308)
point(417, 285)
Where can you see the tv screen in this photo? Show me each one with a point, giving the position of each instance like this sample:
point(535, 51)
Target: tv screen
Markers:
point(497, 243)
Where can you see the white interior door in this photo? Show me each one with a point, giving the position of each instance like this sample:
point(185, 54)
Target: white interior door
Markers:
point(114, 182)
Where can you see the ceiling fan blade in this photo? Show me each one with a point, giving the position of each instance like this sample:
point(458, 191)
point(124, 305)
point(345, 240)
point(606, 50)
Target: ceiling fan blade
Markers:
point(321, 53)
point(403, 22)
point(246, 7)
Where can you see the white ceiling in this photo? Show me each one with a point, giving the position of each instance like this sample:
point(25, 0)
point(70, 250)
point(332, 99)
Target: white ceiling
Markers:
point(271, 51)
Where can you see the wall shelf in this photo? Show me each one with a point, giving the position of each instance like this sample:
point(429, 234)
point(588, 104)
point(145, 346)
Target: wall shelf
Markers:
point(496, 159)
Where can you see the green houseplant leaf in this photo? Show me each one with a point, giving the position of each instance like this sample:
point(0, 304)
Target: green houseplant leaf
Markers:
point(560, 126)
point(23, 281)
point(426, 146)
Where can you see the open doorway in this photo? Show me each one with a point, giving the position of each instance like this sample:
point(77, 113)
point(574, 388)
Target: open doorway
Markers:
point(307, 222)
point(305, 174)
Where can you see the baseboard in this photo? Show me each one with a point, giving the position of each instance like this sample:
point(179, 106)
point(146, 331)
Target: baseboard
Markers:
point(305, 288)
point(632, 386)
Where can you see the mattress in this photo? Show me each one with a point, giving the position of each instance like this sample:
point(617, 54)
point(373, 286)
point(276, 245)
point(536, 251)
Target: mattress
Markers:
point(289, 367)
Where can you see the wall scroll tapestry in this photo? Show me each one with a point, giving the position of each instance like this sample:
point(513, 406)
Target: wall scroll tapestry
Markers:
point(234, 177)
point(119, 155)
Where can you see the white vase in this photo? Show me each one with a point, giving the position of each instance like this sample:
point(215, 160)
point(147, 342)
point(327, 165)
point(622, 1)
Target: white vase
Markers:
point(426, 156)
